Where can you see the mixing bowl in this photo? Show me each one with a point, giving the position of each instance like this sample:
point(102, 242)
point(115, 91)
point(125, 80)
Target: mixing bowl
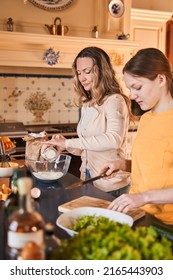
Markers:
point(49, 171)
point(67, 220)
point(8, 171)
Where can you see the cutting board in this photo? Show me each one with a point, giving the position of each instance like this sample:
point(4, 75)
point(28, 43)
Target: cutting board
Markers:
point(88, 201)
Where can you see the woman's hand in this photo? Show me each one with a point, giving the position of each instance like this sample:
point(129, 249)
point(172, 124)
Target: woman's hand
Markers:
point(110, 167)
point(127, 202)
point(57, 141)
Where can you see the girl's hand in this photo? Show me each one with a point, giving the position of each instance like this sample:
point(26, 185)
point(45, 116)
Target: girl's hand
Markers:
point(127, 202)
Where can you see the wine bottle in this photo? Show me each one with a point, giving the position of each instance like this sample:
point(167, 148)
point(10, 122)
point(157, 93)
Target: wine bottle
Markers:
point(25, 225)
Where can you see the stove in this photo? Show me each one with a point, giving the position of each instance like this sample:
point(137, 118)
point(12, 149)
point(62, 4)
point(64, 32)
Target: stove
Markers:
point(52, 129)
point(12, 128)
point(37, 129)
point(66, 128)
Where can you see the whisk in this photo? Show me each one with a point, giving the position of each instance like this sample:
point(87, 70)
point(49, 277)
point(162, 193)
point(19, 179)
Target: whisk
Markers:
point(3, 160)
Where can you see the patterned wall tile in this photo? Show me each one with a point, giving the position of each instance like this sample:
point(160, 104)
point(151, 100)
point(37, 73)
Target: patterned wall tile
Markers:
point(16, 88)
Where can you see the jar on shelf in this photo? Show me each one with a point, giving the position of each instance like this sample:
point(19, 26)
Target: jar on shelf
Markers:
point(10, 24)
point(95, 33)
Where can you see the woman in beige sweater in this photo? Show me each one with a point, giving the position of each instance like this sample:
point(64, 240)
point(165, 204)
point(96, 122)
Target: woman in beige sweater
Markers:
point(105, 115)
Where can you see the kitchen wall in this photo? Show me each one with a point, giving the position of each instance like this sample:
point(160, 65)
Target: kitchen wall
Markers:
point(80, 17)
point(157, 5)
point(15, 89)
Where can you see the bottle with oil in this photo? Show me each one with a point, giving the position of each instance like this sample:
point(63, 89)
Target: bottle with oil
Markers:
point(11, 204)
point(24, 226)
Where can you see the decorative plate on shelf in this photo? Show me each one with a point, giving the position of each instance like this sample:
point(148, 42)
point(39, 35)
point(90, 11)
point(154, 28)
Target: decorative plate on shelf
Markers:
point(52, 5)
point(116, 8)
point(50, 56)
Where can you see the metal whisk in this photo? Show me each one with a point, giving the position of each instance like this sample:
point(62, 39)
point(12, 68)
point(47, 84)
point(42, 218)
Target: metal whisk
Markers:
point(3, 162)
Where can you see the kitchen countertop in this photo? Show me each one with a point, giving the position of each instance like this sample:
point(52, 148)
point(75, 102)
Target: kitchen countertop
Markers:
point(55, 194)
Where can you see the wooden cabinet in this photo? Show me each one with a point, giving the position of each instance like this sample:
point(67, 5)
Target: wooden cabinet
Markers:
point(27, 50)
point(23, 52)
point(75, 165)
point(148, 28)
point(169, 40)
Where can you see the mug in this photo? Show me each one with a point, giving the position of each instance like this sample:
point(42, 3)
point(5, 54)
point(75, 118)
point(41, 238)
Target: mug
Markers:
point(61, 29)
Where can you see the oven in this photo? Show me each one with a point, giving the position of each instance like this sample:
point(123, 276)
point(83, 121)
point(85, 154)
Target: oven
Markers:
point(15, 131)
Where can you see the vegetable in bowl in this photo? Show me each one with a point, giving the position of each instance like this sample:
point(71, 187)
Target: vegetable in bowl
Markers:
point(67, 220)
point(88, 222)
point(115, 241)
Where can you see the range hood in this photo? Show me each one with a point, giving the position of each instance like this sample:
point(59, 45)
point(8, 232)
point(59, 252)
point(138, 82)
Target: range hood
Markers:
point(26, 50)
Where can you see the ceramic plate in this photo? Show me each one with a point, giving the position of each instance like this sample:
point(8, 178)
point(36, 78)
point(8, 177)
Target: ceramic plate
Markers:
point(116, 8)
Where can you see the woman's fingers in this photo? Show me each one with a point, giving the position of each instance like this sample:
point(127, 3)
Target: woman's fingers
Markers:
point(43, 148)
point(58, 141)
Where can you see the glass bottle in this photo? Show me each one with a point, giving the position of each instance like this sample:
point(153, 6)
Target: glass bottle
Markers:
point(11, 204)
point(51, 240)
point(10, 24)
point(3, 159)
point(25, 225)
point(95, 33)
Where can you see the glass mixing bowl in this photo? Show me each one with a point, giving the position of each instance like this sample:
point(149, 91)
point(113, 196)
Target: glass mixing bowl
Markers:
point(49, 171)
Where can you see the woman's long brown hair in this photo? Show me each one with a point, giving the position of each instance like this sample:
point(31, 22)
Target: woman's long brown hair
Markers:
point(104, 79)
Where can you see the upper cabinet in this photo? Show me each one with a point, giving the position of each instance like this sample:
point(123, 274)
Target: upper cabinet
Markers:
point(56, 52)
point(148, 28)
point(169, 40)
point(31, 37)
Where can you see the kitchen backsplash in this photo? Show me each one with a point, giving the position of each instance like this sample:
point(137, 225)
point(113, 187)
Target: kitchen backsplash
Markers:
point(57, 90)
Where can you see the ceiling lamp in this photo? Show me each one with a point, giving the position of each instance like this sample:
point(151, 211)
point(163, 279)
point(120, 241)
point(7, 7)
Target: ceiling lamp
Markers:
point(116, 8)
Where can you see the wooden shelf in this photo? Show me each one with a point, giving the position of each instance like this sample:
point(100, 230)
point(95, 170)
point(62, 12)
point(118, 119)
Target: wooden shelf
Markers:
point(26, 50)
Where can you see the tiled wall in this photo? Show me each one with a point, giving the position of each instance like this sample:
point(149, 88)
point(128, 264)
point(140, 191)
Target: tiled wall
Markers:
point(16, 88)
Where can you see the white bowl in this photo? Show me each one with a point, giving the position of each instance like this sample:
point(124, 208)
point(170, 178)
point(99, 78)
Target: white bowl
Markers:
point(68, 219)
point(49, 171)
point(8, 171)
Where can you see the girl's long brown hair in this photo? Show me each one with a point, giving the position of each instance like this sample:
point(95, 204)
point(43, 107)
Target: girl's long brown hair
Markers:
point(149, 63)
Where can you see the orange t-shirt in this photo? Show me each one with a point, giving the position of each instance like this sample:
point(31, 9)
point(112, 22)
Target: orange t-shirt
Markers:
point(152, 160)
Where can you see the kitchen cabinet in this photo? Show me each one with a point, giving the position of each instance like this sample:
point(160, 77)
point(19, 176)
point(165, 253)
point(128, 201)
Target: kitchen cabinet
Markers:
point(75, 165)
point(23, 53)
point(169, 40)
point(148, 28)
point(27, 50)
